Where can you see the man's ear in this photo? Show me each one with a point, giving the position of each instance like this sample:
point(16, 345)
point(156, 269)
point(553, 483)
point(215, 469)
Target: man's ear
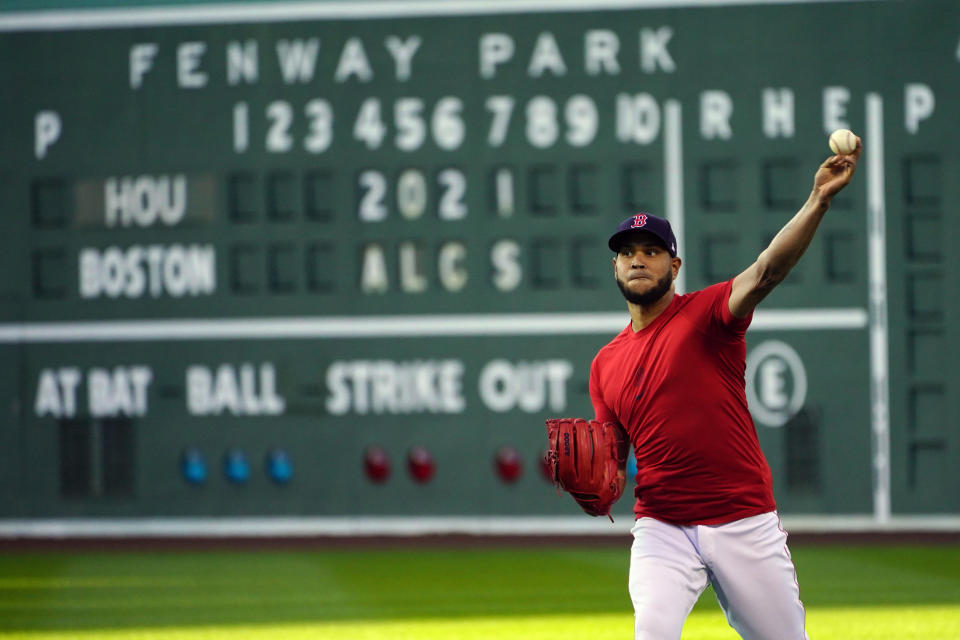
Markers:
point(675, 263)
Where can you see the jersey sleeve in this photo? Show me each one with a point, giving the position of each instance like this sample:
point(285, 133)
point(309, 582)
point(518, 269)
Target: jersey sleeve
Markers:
point(601, 411)
point(720, 310)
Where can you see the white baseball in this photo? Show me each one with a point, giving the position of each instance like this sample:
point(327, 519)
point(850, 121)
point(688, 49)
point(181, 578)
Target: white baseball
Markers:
point(843, 141)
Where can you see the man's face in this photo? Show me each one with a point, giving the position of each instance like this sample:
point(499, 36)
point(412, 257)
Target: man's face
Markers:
point(644, 269)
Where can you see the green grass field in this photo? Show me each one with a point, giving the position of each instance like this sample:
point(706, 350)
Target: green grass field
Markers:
point(554, 593)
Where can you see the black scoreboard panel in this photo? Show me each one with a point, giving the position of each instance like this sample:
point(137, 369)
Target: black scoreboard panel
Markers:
point(230, 237)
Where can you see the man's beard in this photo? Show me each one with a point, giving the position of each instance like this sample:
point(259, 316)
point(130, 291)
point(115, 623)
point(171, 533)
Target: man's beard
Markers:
point(648, 297)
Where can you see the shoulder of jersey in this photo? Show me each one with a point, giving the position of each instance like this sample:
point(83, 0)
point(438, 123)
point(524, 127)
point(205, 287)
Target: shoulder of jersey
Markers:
point(620, 337)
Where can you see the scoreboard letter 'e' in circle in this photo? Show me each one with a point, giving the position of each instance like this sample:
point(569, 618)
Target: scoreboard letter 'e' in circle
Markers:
point(776, 383)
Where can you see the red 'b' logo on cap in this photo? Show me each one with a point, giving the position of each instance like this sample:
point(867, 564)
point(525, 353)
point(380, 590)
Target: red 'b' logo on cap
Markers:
point(639, 221)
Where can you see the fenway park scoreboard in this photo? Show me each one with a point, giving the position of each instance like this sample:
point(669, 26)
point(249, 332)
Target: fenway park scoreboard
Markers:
point(343, 259)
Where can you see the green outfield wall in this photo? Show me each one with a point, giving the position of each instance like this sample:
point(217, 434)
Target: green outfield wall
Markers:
point(280, 236)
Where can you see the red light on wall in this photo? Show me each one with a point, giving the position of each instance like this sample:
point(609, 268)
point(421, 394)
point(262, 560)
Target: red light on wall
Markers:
point(508, 464)
point(376, 464)
point(421, 464)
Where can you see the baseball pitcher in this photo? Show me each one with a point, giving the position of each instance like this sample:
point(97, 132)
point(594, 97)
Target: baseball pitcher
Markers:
point(672, 384)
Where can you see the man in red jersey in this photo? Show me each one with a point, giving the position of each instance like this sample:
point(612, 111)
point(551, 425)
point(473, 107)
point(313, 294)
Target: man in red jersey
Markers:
point(674, 381)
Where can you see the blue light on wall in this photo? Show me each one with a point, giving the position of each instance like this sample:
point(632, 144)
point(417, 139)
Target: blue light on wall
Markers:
point(279, 466)
point(193, 466)
point(236, 466)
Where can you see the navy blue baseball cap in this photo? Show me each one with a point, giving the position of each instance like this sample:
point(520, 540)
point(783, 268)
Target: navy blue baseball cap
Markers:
point(649, 223)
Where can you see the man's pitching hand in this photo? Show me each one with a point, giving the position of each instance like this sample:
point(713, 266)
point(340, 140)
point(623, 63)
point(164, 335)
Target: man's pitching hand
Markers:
point(836, 172)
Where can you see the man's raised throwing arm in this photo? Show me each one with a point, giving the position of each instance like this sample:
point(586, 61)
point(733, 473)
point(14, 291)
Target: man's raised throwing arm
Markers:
point(784, 251)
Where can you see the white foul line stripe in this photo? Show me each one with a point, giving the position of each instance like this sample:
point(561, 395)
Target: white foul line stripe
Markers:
point(878, 317)
point(517, 324)
point(673, 178)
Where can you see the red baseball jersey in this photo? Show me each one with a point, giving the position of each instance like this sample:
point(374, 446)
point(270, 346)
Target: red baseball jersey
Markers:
point(677, 388)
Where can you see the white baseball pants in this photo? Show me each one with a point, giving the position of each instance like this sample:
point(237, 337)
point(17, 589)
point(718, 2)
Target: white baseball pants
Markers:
point(746, 560)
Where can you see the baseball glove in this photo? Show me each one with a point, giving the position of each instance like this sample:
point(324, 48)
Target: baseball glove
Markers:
point(588, 460)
